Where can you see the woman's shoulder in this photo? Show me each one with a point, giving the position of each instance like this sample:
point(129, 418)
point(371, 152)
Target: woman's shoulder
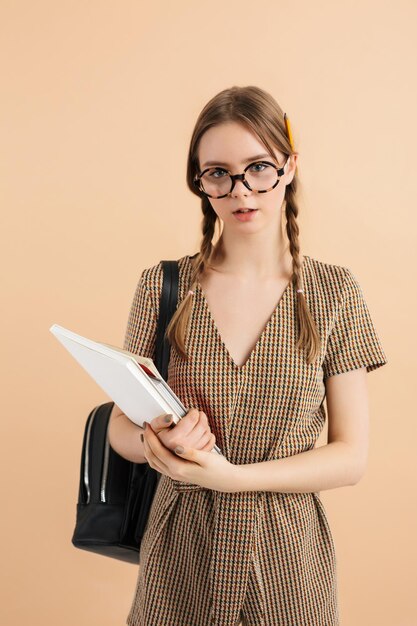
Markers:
point(154, 273)
point(328, 280)
point(324, 269)
point(152, 277)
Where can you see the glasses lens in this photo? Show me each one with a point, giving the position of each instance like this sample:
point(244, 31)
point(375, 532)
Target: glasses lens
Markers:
point(261, 176)
point(216, 182)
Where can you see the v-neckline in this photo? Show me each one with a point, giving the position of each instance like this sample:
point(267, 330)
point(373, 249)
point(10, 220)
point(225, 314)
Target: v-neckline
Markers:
point(285, 294)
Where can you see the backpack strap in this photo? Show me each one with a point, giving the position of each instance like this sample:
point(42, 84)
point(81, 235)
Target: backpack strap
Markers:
point(167, 307)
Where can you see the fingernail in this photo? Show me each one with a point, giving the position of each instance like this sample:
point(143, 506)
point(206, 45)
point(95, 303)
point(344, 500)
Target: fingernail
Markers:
point(179, 449)
point(168, 418)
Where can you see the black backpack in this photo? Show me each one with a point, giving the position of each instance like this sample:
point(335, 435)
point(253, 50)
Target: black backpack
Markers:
point(115, 495)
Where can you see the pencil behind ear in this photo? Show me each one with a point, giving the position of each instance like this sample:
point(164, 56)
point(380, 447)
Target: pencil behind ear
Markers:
point(289, 134)
point(288, 129)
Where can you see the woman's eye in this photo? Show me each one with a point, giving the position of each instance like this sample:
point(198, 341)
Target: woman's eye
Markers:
point(258, 165)
point(219, 171)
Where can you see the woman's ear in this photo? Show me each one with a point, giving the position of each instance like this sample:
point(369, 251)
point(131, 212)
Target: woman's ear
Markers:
point(292, 167)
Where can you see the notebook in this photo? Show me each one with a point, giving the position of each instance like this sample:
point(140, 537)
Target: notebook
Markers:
point(132, 381)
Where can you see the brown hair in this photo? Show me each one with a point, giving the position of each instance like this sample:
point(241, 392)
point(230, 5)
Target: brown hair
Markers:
point(260, 113)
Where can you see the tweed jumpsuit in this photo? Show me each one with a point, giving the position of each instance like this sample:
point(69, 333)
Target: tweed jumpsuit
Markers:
point(209, 558)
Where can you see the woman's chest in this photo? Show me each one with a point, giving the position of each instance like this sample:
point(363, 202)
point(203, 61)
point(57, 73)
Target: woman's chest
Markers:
point(275, 373)
point(240, 313)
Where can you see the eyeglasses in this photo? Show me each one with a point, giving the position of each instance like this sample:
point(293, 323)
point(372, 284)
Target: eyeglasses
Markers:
point(216, 182)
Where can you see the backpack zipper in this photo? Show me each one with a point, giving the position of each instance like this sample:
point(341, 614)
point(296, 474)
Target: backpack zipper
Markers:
point(105, 466)
point(105, 462)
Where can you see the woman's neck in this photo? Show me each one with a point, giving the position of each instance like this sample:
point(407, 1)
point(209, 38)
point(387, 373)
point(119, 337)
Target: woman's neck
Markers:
point(250, 265)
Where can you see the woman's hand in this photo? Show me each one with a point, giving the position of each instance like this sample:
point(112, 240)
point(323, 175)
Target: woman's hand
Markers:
point(192, 431)
point(199, 467)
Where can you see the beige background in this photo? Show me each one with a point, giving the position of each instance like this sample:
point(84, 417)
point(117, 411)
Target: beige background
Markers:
point(94, 96)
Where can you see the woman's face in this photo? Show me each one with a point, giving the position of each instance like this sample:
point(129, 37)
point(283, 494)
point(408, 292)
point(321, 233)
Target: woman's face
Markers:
point(231, 146)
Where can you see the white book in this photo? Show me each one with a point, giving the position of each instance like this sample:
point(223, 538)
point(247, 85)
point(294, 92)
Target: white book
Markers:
point(132, 381)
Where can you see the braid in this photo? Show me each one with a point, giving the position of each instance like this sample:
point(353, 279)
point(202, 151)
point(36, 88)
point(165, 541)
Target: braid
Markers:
point(176, 328)
point(308, 334)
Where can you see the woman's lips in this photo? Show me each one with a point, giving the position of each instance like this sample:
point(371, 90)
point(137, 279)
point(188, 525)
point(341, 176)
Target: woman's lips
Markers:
point(245, 217)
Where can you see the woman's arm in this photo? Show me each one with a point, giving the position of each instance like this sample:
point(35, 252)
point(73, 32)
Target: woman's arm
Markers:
point(124, 436)
point(340, 463)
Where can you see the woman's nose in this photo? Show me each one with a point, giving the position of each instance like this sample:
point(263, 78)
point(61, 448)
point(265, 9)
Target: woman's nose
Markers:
point(240, 189)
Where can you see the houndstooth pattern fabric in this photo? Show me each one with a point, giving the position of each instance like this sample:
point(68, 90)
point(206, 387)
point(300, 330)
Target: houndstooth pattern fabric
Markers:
point(267, 558)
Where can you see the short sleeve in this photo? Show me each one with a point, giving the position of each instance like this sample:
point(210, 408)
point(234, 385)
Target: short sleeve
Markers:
point(140, 335)
point(353, 341)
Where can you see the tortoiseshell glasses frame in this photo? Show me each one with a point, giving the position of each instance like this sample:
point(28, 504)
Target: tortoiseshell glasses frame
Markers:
point(234, 177)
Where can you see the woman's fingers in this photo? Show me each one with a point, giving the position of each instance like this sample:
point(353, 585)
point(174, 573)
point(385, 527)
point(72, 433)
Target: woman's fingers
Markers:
point(205, 439)
point(161, 422)
point(155, 452)
point(192, 430)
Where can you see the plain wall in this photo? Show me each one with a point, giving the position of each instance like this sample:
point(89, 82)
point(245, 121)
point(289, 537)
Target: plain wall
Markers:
point(94, 96)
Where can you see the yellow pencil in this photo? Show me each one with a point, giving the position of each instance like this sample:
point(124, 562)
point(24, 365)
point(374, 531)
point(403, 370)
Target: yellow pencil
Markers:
point(289, 133)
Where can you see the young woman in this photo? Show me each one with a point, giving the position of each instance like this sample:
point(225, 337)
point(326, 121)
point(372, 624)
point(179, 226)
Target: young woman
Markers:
point(261, 335)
